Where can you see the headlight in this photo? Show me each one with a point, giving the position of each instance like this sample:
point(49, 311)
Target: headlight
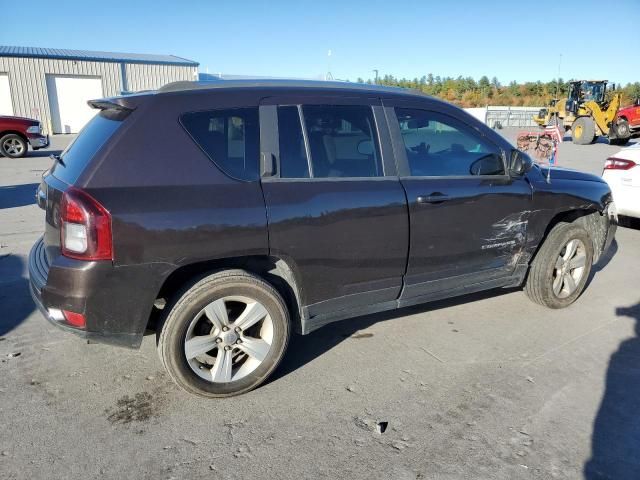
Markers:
point(34, 129)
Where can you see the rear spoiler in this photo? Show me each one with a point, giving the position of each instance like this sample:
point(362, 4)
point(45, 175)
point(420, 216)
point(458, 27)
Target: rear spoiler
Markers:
point(114, 108)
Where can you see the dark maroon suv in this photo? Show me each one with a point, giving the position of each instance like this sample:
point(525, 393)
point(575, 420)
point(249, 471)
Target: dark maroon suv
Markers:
point(223, 216)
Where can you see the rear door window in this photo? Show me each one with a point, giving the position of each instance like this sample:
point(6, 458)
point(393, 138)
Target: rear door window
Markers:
point(230, 138)
point(81, 150)
point(342, 141)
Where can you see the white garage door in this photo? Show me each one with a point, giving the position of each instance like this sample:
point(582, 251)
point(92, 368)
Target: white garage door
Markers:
point(6, 107)
point(68, 98)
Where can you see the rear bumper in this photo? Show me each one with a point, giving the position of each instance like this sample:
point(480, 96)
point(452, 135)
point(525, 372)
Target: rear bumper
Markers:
point(114, 313)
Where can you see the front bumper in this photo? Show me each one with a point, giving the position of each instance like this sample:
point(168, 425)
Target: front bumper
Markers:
point(611, 225)
point(38, 141)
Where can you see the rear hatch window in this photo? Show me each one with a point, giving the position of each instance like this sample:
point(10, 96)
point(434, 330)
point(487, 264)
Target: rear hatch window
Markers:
point(82, 149)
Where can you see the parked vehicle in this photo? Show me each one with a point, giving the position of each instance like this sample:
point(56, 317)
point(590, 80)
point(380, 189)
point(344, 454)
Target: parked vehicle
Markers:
point(622, 173)
point(589, 112)
point(631, 115)
point(271, 206)
point(17, 133)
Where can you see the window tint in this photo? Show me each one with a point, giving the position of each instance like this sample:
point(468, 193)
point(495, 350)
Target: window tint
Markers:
point(293, 155)
point(79, 152)
point(438, 145)
point(342, 141)
point(231, 138)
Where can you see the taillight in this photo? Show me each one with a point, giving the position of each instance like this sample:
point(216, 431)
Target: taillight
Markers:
point(75, 319)
point(613, 163)
point(85, 227)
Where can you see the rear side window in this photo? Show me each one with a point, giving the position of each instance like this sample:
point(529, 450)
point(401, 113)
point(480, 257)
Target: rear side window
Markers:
point(230, 138)
point(79, 152)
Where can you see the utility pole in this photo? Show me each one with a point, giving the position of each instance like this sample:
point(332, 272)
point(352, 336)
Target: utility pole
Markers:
point(328, 76)
point(375, 70)
point(558, 80)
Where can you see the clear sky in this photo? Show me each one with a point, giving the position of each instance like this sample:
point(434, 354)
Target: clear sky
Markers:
point(513, 40)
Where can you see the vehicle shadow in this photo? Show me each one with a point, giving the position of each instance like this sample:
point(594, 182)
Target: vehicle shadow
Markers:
point(629, 222)
point(616, 430)
point(15, 298)
point(304, 348)
point(12, 196)
point(604, 260)
point(600, 139)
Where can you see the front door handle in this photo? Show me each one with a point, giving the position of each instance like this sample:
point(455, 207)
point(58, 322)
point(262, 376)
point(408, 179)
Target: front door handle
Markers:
point(435, 197)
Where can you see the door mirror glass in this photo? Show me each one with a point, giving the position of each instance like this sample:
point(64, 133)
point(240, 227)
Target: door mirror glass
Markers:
point(490, 164)
point(520, 163)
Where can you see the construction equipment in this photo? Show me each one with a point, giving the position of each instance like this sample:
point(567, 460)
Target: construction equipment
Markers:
point(588, 113)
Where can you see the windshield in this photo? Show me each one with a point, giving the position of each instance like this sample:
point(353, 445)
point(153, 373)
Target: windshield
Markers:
point(592, 91)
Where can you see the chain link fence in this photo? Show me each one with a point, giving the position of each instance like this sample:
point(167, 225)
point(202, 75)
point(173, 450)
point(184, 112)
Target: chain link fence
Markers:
point(502, 117)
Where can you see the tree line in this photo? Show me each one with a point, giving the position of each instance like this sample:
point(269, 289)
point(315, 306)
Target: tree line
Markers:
point(467, 92)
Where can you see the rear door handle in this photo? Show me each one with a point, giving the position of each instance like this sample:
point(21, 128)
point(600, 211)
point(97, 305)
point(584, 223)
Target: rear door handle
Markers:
point(435, 197)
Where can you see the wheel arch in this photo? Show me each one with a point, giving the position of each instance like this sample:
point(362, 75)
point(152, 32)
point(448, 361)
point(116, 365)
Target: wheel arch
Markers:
point(591, 219)
point(15, 132)
point(274, 270)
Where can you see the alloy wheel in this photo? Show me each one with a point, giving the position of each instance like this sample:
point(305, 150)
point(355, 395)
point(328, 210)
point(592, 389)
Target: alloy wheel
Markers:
point(13, 146)
point(228, 339)
point(569, 268)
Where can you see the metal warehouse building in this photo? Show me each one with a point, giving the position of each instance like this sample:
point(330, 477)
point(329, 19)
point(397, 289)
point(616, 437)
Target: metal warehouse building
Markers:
point(54, 85)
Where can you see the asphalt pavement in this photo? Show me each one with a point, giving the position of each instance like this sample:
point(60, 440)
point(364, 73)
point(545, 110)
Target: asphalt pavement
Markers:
point(487, 386)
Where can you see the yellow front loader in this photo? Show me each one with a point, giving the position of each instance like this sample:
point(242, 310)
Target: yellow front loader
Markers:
point(588, 113)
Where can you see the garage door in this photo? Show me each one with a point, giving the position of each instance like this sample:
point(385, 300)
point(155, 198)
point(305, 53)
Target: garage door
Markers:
point(68, 97)
point(6, 107)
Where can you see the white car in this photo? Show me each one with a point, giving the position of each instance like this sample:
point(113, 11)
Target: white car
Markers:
point(622, 173)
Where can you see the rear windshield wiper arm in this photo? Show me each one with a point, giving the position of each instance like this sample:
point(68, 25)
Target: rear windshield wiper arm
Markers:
point(57, 158)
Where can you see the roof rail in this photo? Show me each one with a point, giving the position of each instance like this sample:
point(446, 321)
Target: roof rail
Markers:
point(284, 83)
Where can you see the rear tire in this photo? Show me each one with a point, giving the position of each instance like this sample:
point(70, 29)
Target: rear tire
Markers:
point(13, 146)
point(583, 131)
point(622, 131)
point(224, 335)
point(559, 272)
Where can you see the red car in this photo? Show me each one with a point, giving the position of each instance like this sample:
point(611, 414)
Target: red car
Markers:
point(632, 115)
point(17, 133)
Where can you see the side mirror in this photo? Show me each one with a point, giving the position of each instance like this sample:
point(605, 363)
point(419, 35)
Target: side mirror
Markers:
point(520, 163)
point(365, 147)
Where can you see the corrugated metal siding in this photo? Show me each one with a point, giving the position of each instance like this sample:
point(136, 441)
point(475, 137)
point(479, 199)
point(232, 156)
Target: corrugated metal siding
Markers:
point(27, 80)
point(152, 77)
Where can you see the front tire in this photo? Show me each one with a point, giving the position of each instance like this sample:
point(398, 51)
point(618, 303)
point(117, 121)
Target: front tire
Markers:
point(583, 131)
point(560, 270)
point(13, 146)
point(224, 335)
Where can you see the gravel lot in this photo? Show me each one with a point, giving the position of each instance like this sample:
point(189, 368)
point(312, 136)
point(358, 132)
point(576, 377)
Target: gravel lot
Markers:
point(486, 386)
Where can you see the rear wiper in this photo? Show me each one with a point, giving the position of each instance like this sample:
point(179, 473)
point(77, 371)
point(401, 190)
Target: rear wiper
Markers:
point(57, 158)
